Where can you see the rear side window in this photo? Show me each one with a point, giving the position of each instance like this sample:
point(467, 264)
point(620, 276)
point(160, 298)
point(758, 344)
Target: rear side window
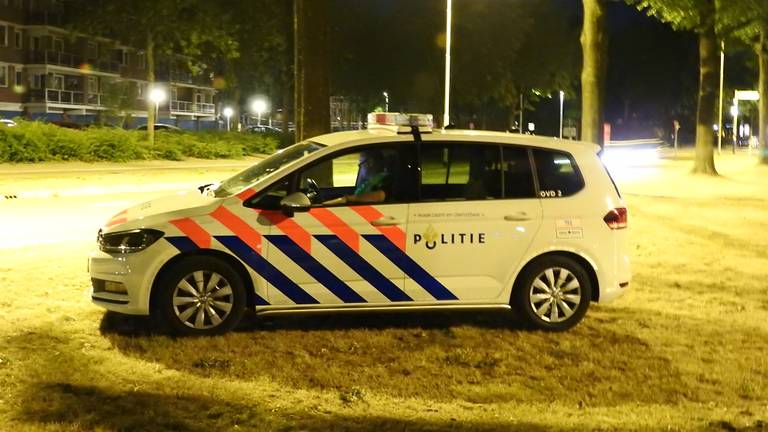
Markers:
point(460, 172)
point(518, 177)
point(557, 173)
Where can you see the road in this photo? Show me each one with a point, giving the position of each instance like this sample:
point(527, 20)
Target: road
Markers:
point(55, 204)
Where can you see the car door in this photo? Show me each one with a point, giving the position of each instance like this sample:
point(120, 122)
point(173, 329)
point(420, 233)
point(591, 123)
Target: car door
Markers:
point(476, 217)
point(339, 253)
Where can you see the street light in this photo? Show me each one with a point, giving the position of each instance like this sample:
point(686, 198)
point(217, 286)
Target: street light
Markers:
point(562, 101)
point(720, 109)
point(228, 114)
point(157, 95)
point(448, 20)
point(735, 114)
point(259, 106)
point(386, 101)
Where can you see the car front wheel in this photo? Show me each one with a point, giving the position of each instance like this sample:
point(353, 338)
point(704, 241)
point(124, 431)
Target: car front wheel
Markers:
point(201, 296)
point(552, 293)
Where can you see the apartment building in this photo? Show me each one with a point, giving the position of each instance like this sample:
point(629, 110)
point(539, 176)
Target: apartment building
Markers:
point(49, 73)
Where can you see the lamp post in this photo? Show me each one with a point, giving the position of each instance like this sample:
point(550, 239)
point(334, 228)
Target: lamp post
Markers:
point(228, 114)
point(720, 111)
point(386, 101)
point(448, 20)
point(562, 101)
point(259, 106)
point(735, 114)
point(157, 95)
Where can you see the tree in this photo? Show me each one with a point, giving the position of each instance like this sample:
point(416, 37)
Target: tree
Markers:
point(747, 20)
point(388, 45)
point(182, 28)
point(261, 64)
point(495, 65)
point(117, 98)
point(593, 43)
point(698, 16)
point(311, 68)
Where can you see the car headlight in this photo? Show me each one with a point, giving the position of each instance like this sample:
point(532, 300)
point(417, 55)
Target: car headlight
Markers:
point(128, 241)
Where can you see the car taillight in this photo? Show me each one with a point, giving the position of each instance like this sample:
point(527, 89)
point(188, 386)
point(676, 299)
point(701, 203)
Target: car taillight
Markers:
point(616, 218)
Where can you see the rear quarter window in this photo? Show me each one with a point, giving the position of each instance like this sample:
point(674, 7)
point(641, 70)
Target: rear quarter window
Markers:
point(557, 173)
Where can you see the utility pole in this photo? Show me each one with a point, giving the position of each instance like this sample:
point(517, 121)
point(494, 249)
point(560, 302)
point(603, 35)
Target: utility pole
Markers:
point(720, 112)
point(448, 22)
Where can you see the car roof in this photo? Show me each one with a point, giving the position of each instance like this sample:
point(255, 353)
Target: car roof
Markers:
point(469, 136)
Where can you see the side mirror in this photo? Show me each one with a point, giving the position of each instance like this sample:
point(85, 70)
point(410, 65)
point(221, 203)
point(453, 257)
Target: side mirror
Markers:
point(207, 188)
point(295, 202)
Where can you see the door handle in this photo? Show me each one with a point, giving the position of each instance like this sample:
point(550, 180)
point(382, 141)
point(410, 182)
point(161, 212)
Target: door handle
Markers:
point(517, 217)
point(386, 221)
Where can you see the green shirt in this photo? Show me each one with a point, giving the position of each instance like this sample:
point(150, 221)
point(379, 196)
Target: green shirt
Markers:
point(373, 183)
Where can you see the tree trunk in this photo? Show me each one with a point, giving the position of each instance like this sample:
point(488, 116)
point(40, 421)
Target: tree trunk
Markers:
point(709, 83)
point(762, 55)
point(312, 88)
point(593, 46)
point(151, 79)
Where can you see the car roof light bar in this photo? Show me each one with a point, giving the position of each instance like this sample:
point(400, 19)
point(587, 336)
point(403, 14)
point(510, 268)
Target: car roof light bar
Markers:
point(401, 123)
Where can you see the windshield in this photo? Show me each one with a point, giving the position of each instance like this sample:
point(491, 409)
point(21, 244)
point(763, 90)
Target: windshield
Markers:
point(269, 165)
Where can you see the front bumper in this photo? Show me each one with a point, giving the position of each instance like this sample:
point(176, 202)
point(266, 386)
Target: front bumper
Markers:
point(135, 272)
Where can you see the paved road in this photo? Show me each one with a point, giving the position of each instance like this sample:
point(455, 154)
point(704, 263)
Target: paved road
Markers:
point(43, 204)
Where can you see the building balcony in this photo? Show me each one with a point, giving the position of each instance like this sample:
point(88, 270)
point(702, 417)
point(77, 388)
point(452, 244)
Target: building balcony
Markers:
point(192, 107)
point(64, 97)
point(182, 77)
point(73, 61)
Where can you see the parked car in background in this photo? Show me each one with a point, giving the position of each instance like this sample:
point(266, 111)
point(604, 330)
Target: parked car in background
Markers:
point(160, 127)
point(67, 124)
point(262, 129)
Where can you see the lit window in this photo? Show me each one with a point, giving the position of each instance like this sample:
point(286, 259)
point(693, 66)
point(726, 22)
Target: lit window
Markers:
point(3, 35)
point(93, 50)
point(36, 81)
point(3, 75)
point(93, 84)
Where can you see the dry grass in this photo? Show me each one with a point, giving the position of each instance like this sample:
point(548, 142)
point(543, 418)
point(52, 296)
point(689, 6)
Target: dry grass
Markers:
point(684, 350)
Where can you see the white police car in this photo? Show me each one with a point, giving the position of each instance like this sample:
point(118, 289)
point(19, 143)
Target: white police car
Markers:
point(393, 217)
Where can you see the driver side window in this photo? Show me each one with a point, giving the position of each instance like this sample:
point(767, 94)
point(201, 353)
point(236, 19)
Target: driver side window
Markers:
point(363, 175)
point(334, 178)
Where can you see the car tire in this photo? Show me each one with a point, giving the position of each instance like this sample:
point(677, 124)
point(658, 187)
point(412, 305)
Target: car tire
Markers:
point(200, 296)
point(552, 293)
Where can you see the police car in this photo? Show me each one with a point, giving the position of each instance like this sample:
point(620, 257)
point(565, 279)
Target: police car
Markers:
point(395, 217)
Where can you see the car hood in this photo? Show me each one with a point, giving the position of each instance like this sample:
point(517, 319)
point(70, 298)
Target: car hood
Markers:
point(161, 210)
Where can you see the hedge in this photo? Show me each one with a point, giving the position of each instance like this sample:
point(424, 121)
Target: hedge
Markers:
point(37, 141)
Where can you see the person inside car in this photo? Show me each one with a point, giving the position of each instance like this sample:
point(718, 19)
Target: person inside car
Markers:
point(373, 177)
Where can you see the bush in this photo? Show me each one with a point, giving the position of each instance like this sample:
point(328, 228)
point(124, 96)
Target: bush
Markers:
point(37, 141)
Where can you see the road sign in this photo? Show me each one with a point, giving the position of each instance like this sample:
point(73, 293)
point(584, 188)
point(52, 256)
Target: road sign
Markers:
point(747, 95)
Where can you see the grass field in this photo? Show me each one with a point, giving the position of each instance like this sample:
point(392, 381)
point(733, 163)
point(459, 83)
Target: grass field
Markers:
point(685, 349)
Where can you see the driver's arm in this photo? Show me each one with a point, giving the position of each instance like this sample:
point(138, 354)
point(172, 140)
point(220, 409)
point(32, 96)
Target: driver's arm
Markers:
point(367, 197)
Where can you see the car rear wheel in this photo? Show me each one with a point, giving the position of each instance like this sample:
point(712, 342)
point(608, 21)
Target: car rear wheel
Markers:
point(552, 293)
point(201, 296)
